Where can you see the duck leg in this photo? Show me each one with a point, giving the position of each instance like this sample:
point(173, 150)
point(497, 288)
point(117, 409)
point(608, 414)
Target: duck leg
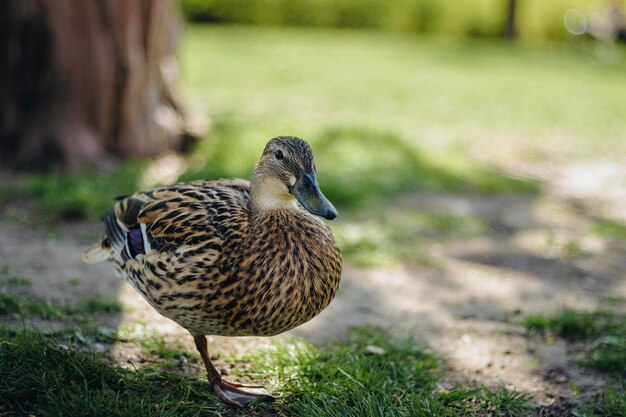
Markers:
point(233, 394)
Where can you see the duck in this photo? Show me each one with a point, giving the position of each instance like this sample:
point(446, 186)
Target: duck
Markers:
point(230, 257)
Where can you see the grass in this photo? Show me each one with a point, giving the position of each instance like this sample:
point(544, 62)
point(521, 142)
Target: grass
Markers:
point(441, 96)
point(157, 346)
point(386, 235)
point(15, 281)
point(76, 196)
point(349, 378)
point(610, 229)
point(100, 304)
point(576, 325)
point(611, 403)
point(6, 193)
point(371, 374)
point(11, 304)
point(357, 166)
point(605, 330)
point(21, 304)
point(38, 376)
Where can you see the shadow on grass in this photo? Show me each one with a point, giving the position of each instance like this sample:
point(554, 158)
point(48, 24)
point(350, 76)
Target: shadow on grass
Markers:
point(360, 165)
point(39, 376)
point(80, 195)
point(357, 165)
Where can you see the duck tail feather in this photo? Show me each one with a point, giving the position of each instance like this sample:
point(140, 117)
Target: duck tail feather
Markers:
point(98, 252)
point(114, 231)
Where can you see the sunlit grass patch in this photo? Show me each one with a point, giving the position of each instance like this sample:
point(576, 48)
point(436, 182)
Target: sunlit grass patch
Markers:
point(604, 330)
point(499, 99)
point(360, 164)
point(370, 373)
point(573, 324)
point(382, 235)
point(368, 357)
point(610, 229)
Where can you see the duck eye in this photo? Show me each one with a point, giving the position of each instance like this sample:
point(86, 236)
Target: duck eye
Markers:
point(279, 154)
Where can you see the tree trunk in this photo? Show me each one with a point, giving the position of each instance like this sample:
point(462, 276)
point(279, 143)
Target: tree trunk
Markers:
point(84, 81)
point(510, 27)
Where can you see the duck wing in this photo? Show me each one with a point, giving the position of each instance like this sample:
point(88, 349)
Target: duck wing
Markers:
point(178, 245)
point(177, 219)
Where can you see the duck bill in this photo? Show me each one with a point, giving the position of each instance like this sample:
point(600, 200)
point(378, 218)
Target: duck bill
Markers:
point(307, 192)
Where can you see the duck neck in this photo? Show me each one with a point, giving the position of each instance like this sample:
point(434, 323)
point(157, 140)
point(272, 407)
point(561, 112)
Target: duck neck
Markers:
point(269, 197)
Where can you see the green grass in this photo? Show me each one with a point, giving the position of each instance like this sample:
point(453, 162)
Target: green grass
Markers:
point(357, 166)
point(99, 304)
point(157, 346)
point(371, 374)
point(6, 193)
point(610, 403)
point(500, 101)
point(12, 304)
point(29, 306)
point(610, 229)
point(81, 195)
point(576, 325)
point(15, 281)
point(605, 329)
point(349, 378)
point(387, 235)
point(40, 377)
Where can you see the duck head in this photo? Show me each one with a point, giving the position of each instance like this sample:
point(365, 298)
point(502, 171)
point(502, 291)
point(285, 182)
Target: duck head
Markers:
point(285, 176)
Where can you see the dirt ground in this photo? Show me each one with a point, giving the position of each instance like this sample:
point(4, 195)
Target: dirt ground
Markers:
point(467, 310)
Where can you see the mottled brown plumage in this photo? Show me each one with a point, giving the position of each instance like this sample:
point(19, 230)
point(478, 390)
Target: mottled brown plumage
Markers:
point(226, 257)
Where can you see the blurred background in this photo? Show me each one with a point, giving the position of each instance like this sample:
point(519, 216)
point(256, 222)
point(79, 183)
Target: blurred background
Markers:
point(449, 96)
point(475, 151)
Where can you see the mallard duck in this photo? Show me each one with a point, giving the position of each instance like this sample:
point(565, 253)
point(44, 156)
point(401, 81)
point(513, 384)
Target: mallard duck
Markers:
point(230, 257)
